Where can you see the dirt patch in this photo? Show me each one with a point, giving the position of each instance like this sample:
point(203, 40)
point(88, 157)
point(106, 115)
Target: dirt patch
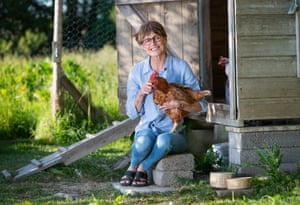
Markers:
point(71, 187)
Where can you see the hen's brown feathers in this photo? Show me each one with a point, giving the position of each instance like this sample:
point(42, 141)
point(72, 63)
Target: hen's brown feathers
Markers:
point(165, 92)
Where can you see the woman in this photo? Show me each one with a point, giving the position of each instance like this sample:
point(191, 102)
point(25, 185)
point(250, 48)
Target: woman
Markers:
point(153, 140)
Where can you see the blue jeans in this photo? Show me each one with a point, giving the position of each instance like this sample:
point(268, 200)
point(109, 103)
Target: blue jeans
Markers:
point(148, 147)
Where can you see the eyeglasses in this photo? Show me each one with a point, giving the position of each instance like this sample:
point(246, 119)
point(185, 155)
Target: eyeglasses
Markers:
point(148, 41)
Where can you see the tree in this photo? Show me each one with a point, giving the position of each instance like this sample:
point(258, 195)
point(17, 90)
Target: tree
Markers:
point(19, 17)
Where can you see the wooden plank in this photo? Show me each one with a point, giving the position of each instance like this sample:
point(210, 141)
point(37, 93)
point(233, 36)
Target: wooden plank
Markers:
point(155, 11)
point(124, 161)
point(255, 109)
point(255, 88)
point(100, 139)
point(77, 150)
point(220, 114)
point(6, 174)
point(297, 25)
point(131, 15)
point(83, 102)
point(173, 26)
point(190, 35)
point(269, 67)
point(266, 46)
point(61, 149)
point(30, 169)
point(36, 163)
point(262, 6)
point(232, 56)
point(268, 25)
point(138, 53)
point(57, 88)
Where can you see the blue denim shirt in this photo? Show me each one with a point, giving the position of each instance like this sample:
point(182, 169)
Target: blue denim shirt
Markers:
point(151, 116)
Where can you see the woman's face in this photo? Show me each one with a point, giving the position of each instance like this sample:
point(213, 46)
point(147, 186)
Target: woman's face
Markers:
point(154, 44)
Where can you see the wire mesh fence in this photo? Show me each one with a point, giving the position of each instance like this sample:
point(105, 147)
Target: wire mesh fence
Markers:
point(88, 24)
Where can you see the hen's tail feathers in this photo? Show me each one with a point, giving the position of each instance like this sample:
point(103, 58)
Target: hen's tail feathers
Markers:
point(201, 94)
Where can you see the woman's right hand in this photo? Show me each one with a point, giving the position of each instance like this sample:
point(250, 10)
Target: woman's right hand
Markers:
point(146, 89)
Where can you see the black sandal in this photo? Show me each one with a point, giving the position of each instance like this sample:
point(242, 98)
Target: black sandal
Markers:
point(127, 179)
point(140, 179)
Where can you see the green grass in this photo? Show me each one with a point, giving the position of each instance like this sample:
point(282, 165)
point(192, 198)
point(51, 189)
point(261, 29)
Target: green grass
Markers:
point(91, 177)
point(25, 86)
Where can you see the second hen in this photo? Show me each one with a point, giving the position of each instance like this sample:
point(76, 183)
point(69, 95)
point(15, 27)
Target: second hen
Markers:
point(165, 92)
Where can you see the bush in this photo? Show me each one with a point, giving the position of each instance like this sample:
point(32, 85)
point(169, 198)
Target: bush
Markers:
point(32, 43)
point(17, 119)
point(20, 98)
point(25, 96)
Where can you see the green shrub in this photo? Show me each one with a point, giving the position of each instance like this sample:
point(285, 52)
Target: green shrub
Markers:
point(18, 110)
point(273, 181)
point(31, 43)
point(5, 47)
point(17, 119)
point(25, 86)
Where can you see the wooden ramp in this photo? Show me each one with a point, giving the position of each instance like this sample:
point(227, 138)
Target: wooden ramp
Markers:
point(69, 154)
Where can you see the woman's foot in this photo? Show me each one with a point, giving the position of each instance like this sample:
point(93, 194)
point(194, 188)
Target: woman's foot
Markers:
point(140, 179)
point(128, 178)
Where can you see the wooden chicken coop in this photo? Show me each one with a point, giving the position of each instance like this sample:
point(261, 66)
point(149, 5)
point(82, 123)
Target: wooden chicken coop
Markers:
point(261, 38)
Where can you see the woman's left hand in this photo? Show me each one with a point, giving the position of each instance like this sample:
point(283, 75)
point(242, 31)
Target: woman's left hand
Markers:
point(173, 104)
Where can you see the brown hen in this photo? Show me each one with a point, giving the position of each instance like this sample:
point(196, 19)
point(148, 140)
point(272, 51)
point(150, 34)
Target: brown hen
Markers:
point(166, 92)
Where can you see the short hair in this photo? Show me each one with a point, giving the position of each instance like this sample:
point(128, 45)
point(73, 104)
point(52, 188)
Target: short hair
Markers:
point(146, 28)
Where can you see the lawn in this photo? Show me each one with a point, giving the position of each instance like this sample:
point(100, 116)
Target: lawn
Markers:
point(89, 181)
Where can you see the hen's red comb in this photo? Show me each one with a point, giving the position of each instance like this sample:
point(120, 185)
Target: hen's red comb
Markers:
point(153, 75)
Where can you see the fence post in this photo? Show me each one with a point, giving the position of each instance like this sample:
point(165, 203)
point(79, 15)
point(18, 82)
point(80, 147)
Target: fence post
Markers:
point(57, 90)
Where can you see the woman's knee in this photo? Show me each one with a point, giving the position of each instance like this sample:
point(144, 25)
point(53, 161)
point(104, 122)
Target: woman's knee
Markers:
point(172, 142)
point(143, 142)
point(164, 141)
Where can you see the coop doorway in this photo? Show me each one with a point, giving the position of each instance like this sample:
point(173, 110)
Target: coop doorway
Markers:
point(219, 47)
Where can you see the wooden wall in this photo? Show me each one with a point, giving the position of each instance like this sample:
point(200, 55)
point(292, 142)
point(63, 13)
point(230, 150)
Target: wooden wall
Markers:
point(180, 19)
point(266, 60)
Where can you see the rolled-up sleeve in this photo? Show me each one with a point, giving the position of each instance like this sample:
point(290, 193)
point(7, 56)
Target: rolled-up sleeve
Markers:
point(132, 90)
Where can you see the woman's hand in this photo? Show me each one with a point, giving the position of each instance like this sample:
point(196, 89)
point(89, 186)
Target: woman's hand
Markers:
point(173, 104)
point(146, 89)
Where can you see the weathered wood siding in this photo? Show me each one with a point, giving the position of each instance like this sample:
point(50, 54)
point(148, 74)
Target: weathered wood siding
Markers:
point(180, 19)
point(266, 60)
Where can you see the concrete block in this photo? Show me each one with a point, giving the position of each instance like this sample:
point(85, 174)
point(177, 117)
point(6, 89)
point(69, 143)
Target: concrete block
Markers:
point(239, 156)
point(244, 141)
point(252, 171)
point(250, 140)
point(181, 162)
point(169, 178)
point(198, 141)
point(220, 134)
